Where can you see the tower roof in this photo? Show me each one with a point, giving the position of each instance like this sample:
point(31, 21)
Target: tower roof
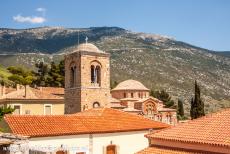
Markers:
point(88, 47)
point(130, 85)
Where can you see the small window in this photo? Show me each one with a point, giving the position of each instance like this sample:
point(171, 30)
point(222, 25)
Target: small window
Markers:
point(125, 95)
point(17, 109)
point(48, 110)
point(96, 105)
point(139, 95)
point(27, 112)
point(132, 95)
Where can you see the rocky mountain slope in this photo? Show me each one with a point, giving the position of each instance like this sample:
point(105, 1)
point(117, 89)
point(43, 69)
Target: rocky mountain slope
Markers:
point(160, 62)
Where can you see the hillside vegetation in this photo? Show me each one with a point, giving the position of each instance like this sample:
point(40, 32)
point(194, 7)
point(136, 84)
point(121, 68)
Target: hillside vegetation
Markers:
point(160, 62)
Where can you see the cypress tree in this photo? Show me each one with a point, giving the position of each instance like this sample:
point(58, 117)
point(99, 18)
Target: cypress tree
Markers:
point(197, 105)
point(180, 108)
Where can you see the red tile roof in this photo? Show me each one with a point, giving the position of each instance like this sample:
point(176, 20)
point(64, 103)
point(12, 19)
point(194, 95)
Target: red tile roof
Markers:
point(53, 90)
point(158, 150)
point(100, 120)
point(33, 93)
point(212, 129)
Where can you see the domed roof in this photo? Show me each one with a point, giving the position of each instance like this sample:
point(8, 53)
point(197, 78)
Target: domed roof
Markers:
point(88, 47)
point(130, 85)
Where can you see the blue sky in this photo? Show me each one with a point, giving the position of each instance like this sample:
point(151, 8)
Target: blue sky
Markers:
point(204, 23)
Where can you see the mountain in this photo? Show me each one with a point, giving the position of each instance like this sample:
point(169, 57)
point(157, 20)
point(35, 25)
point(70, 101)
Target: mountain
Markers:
point(160, 62)
point(222, 53)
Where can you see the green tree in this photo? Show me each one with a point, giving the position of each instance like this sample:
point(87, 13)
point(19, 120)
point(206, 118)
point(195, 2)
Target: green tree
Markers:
point(41, 74)
point(21, 75)
point(164, 97)
point(5, 110)
point(197, 105)
point(180, 110)
point(113, 84)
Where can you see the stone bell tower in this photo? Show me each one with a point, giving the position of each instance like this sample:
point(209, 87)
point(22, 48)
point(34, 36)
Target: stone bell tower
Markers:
point(87, 79)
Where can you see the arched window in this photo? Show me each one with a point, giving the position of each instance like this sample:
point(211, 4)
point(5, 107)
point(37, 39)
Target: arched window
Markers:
point(96, 75)
point(73, 75)
point(92, 74)
point(96, 105)
point(150, 108)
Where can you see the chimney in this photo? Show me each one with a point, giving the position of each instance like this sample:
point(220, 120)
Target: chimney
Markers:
point(27, 91)
point(2, 90)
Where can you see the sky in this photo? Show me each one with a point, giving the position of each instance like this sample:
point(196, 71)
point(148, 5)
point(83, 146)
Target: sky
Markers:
point(204, 23)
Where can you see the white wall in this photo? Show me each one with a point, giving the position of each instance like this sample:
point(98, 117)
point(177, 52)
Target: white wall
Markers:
point(128, 142)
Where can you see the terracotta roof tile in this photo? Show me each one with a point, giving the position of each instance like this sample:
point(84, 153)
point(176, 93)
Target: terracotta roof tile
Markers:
point(212, 129)
point(100, 120)
point(130, 85)
point(158, 150)
point(32, 93)
point(53, 90)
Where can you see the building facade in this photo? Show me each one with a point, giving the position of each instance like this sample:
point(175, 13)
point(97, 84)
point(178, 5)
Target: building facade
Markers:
point(33, 101)
point(132, 96)
point(87, 85)
point(87, 79)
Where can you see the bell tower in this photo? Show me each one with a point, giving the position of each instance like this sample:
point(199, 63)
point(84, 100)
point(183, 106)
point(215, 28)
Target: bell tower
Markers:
point(87, 79)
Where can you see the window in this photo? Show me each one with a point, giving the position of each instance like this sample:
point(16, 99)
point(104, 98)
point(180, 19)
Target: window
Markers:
point(139, 95)
point(92, 74)
point(150, 108)
point(17, 110)
point(96, 75)
point(111, 149)
point(27, 112)
point(47, 109)
point(124, 95)
point(73, 76)
point(96, 105)
point(132, 95)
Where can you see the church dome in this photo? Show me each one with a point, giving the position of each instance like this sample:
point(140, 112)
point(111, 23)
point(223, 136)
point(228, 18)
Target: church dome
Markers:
point(88, 47)
point(130, 85)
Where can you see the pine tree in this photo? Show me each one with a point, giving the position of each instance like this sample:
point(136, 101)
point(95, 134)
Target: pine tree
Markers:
point(197, 105)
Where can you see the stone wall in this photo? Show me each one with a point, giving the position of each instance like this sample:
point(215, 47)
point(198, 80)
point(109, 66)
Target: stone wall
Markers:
point(84, 93)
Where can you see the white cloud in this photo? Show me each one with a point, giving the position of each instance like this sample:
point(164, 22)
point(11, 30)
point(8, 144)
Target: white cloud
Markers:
point(29, 19)
point(41, 9)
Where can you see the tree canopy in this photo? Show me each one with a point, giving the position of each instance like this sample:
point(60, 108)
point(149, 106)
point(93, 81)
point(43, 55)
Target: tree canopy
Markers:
point(164, 97)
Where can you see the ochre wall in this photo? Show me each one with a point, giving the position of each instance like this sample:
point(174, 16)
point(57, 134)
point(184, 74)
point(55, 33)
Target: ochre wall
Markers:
point(37, 107)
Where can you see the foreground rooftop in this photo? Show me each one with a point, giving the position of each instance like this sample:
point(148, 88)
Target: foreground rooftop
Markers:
point(97, 120)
